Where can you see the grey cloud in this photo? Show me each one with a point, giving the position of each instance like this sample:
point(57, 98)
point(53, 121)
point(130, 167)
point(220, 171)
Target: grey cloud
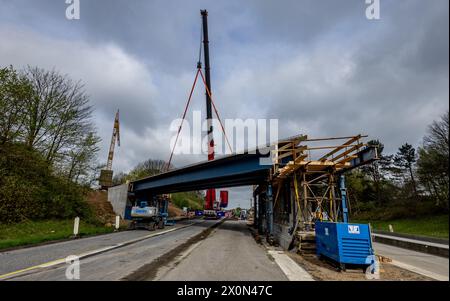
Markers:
point(320, 67)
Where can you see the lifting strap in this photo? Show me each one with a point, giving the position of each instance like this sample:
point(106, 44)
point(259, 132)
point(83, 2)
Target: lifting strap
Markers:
point(182, 119)
point(199, 71)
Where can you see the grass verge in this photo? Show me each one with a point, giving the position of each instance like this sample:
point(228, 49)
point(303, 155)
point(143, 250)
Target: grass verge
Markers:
point(34, 232)
point(432, 226)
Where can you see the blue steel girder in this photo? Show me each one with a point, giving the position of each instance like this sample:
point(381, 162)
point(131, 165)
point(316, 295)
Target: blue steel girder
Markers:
point(231, 171)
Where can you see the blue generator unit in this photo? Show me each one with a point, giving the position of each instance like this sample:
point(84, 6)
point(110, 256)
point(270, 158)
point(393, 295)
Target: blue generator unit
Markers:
point(344, 243)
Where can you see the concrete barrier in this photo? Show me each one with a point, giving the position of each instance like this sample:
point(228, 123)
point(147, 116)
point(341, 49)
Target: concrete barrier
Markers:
point(412, 244)
point(436, 240)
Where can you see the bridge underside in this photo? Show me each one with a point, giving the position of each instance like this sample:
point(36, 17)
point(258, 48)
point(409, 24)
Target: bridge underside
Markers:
point(231, 171)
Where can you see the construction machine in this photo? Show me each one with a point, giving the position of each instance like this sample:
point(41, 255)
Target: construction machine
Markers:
point(150, 215)
point(211, 205)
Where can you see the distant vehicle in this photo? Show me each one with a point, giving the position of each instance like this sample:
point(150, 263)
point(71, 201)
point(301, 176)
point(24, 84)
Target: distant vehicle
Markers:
point(198, 212)
point(210, 214)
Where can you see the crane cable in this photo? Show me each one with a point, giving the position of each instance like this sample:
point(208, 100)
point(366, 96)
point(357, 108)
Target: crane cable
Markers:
point(184, 117)
point(199, 71)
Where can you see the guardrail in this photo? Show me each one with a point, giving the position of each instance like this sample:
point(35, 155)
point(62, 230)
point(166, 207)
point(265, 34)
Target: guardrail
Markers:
point(411, 242)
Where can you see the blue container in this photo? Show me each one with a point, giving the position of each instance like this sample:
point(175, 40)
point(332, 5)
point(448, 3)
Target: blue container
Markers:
point(344, 243)
point(220, 213)
point(198, 212)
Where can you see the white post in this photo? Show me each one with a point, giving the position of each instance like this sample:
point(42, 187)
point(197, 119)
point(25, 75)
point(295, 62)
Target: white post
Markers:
point(76, 226)
point(391, 229)
point(117, 222)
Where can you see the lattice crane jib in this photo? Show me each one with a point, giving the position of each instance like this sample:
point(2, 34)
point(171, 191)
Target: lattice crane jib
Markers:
point(106, 175)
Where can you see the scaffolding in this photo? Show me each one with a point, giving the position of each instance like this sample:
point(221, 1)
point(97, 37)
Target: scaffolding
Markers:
point(316, 168)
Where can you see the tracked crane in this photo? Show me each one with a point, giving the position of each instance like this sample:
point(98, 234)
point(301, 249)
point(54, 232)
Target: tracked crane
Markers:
point(106, 175)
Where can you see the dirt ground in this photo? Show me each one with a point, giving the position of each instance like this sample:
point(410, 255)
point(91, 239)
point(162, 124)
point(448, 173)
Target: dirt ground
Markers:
point(326, 271)
point(174, 211)
point(323, 270)
point(98, 201)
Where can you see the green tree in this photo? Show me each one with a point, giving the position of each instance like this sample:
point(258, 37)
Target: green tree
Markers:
point(14, 91)
point(148, 168)
point(30, 190)
point(56, 115)
point(81, 160)
point(433, 162)
point(405, 159)
point(378, 170)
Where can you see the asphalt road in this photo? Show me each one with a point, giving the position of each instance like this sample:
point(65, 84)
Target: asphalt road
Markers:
point(112, 264)
point(187, 251)
point(429, 265)
point(229, 253)
point(196, 250)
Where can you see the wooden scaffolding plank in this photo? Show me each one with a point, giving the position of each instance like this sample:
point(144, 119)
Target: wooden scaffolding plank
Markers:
point(348, 143)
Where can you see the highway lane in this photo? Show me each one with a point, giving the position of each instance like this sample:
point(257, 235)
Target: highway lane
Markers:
point(230, 253)
point(429, 265)
point(110, 265)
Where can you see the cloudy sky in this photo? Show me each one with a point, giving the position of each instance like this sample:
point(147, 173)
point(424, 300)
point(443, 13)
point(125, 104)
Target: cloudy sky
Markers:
point(319, 66)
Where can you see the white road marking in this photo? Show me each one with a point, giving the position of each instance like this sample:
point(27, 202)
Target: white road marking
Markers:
point(420, 271)
point(87, 254)
point(290, 268)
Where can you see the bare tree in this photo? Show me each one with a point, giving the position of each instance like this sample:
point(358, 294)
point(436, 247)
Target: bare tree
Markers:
point(56, 114)
point(14, 90)
point(81, 160)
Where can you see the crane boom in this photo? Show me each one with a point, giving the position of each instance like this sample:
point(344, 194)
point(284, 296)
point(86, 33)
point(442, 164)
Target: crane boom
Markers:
point(106, 175)
point(115, 136)
point(210, 193)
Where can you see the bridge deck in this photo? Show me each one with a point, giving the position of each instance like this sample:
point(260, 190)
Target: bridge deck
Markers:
point(231, 171)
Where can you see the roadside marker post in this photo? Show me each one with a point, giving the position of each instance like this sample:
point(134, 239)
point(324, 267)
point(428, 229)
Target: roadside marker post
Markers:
point(391, 229)
point(76, 227)
point(117, 225)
